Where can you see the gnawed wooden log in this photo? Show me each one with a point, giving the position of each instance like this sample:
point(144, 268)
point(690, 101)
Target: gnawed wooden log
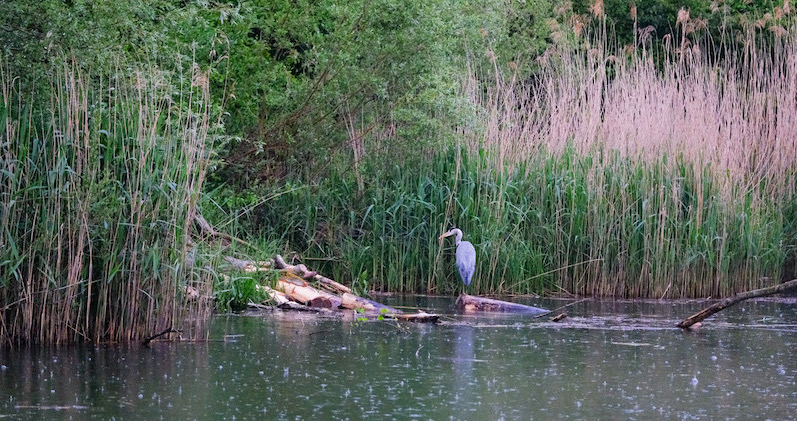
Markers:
point(728, 302)
point(292, 283)
point(295, 293)
point(303, 272)
point(277, 297)
point(292, 305)
point(354, 302)
point(472, 304)
point(332, 285)
point(298, 290)
point(298, 270)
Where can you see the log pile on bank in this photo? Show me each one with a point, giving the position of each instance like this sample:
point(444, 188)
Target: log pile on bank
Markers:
point(299, 288)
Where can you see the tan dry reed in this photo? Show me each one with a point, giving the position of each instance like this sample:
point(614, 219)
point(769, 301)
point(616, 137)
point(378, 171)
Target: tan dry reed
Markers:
point(711, 143)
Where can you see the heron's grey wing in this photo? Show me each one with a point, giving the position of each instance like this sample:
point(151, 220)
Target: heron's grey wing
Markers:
point(466, 261)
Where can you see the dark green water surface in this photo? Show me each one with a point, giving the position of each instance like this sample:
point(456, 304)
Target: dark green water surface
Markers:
point(607, 360)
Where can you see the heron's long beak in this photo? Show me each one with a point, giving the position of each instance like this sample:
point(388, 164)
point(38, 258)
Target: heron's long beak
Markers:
point(444, 235)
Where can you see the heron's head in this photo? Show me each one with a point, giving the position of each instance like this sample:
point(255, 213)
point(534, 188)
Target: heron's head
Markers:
point(453, 231)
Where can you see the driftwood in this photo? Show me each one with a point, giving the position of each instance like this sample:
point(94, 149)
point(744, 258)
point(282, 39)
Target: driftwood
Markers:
point(277, 297)
point(693, 320)
point(472, 304)
point(157, 335)
point(292, 287)
point(298, 290)
point(292, 284)
point(417, 317)
point(354, 302)
point(302, 271)
point(298, 270)
point(294, 292)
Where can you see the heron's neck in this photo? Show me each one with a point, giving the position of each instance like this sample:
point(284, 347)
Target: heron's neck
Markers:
point(458, 233)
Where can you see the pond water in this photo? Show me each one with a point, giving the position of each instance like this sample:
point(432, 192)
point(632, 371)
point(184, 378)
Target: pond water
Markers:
point(606, 360)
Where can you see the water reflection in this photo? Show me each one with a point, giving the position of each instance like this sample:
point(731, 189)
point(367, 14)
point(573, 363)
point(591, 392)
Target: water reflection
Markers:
point(464, 380)
point(607, 360)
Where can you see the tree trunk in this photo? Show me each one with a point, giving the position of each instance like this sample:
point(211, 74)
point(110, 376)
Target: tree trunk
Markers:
point(304, 273)
point(292, 288)
point(354, 302)
point(298, 290)
point(421, 317)
point(472, 304)
point(278, 297)
point(728, 302)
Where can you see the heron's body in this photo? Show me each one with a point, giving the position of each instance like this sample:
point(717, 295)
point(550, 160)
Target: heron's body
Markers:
point(466, 256)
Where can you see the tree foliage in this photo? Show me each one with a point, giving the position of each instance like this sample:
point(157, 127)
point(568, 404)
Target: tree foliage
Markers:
point(305, 84)
point(310, 85)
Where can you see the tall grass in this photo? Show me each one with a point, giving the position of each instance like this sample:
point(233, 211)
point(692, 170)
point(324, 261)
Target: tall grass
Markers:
point(613, 172)
point(676, 170)
point(97, 192)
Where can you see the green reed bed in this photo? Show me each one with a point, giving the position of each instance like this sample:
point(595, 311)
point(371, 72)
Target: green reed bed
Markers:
point(97, 191)
point(566, 223)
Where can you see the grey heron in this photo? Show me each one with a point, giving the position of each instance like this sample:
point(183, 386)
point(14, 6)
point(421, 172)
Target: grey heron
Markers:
point(466, 256)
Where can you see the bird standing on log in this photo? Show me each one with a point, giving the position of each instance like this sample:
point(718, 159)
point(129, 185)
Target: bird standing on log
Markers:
point(466, 256)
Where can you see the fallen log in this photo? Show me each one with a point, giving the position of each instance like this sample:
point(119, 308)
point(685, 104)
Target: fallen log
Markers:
point(157, 335)
point(472, 304)
point(292, 305)
point(298, 290)
point(304, 273)
point(331, 285)
point(293, 291)
point(354, 302)
point(728, 302)
point(277, 297)
point(291, 284)
point(421, 317)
